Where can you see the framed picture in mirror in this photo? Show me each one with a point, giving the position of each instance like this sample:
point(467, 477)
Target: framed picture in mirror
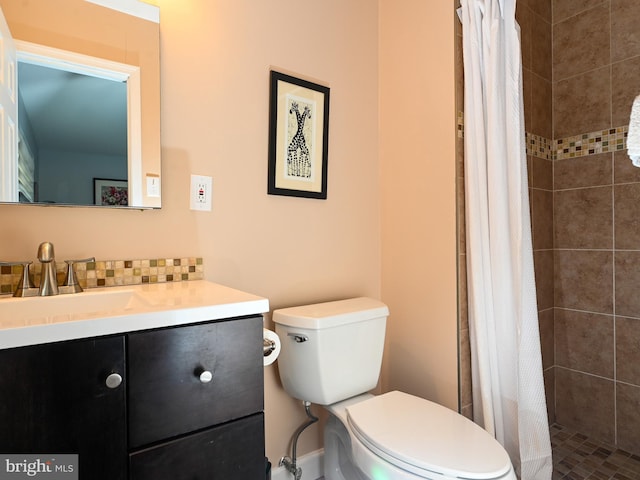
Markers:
point(110, 192)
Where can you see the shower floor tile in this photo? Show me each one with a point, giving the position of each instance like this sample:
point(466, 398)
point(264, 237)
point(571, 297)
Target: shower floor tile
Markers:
point(577, 457)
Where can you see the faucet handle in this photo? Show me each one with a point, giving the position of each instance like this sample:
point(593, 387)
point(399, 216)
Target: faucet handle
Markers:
point(25, 288)
point(83, 260)
point(12, 264)
point(71, 279)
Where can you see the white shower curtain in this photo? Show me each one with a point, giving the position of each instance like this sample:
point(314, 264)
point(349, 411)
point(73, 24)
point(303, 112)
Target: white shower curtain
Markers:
point(508, 386)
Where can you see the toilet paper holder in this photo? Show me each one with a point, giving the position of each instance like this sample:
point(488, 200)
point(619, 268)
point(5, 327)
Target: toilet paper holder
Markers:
point(268, 346)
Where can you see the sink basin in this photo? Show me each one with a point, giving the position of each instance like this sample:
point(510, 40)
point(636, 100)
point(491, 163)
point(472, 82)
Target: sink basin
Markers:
point(115, 310)
point(73, 306)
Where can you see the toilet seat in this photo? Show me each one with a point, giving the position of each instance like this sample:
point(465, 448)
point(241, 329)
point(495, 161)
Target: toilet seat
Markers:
point(424, 438)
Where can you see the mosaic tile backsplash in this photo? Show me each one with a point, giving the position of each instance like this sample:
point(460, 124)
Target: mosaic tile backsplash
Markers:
point(111, 273)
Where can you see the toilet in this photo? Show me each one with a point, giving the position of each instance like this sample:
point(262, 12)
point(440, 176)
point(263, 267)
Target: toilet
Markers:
point(331, 355)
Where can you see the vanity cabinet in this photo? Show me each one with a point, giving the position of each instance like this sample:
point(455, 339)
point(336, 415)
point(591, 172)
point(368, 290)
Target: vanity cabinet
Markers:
point(189, 406)
point(229, 451)
point(204, 378)
point(54, 399)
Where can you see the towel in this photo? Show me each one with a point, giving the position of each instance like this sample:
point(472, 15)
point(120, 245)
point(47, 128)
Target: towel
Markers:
point(633, 136)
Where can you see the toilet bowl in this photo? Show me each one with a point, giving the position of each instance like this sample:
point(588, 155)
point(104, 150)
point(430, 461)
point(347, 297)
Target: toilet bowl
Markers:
point(331, 355)
point(399, 436)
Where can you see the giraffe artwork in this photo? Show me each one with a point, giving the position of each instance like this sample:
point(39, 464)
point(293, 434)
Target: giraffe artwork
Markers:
point(298, 157)
point(298, 137)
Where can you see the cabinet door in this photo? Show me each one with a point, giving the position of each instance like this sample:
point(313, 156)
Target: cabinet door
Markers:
point(167, 397)
point(54, 399)
point(233, 451)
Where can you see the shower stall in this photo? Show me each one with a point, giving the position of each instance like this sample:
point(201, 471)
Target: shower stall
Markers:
point(581, 73)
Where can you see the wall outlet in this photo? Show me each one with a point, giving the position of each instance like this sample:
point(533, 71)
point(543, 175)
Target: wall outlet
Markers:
point(201, 190)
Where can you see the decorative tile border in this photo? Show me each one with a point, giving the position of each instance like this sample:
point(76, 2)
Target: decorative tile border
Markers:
point(539, 147)
point(593, 143)
point(110, 273)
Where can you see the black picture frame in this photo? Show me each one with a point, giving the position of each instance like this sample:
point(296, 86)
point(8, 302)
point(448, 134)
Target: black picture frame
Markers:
point(298, 137)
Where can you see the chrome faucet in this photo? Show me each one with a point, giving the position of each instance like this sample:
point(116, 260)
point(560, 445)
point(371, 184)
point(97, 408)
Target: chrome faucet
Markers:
point(48, 276)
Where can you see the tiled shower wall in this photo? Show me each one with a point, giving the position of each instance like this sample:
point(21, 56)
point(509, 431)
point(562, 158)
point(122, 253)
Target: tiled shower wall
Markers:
point(596, 72)
point(580, 63)
point(581, 72)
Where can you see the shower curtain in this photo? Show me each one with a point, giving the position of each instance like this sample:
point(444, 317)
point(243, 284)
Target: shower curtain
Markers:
point(508, 386)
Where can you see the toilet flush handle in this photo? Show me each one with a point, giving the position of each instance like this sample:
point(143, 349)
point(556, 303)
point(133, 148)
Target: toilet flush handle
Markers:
point(298, 337)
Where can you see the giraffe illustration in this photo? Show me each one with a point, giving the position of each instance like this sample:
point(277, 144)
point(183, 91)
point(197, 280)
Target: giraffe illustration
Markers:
point(298, 160)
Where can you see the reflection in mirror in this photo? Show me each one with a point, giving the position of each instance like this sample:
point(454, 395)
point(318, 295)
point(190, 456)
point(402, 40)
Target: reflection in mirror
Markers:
point(72, 129)
point(58, 165)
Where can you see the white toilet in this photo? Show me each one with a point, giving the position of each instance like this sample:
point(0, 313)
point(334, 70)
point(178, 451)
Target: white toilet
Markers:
point(331, 355)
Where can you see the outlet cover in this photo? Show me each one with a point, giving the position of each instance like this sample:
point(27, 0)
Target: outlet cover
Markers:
point(200, 193)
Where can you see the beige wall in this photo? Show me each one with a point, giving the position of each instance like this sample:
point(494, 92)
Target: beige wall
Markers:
point(398, 244)
point(417, 150)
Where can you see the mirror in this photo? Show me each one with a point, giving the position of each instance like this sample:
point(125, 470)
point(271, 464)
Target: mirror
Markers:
point(68, 46)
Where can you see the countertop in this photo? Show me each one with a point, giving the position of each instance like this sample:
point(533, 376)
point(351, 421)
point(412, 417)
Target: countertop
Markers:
point(113, 310)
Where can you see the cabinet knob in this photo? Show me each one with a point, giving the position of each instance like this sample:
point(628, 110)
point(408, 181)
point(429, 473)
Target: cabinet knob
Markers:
point(113, 381)
point(205, 376)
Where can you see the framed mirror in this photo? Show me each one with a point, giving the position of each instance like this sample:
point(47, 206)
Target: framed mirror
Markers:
point(87, 102)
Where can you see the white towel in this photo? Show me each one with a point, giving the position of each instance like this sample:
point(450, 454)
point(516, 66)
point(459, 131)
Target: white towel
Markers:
point(633, 136)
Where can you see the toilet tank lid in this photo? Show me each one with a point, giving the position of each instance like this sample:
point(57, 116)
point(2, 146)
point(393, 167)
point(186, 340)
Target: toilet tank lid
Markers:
point(331, 314)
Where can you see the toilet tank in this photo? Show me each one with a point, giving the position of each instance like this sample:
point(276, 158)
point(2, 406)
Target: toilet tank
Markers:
point(331, 351)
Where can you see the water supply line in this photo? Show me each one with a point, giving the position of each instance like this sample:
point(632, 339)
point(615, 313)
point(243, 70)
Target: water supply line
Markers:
point(290, 463)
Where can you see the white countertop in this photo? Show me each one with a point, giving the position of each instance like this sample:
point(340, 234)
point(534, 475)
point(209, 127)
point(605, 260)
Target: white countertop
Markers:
point(112, 310)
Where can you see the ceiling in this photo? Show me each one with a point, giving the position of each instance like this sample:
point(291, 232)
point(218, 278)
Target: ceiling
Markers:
point(74, 112)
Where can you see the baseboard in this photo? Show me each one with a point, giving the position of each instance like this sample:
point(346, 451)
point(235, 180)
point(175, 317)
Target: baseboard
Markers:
point(311, 464)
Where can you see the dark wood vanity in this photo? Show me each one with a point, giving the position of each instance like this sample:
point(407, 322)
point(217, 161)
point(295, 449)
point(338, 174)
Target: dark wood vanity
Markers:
point(188, 405)
point(53, 400)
